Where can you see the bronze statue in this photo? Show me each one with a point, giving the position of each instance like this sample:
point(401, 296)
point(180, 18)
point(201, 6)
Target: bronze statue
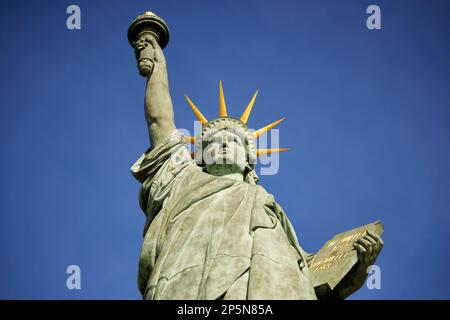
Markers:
point(212, 232)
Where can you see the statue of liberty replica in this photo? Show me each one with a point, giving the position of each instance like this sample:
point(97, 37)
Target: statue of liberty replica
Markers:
point(211, 231)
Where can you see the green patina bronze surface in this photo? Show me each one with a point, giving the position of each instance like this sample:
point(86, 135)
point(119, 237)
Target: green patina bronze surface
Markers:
point(211, 231)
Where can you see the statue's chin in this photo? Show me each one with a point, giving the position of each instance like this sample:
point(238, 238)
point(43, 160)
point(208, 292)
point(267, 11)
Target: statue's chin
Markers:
point(224, 168)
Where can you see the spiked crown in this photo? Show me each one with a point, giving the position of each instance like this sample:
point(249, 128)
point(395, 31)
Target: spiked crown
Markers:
point(237, 126)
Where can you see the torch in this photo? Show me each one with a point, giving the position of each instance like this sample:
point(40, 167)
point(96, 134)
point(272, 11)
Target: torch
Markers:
point(145, 25)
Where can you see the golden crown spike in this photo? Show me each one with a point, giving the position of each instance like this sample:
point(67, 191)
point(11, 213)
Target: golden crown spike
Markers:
point(248, 110)
point(222, 105)
point(197, 112)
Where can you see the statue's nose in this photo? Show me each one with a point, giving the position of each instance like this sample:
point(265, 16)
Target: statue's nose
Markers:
point(224, 140)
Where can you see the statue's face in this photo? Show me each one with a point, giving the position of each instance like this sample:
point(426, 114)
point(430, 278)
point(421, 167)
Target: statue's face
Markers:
point(225, 153)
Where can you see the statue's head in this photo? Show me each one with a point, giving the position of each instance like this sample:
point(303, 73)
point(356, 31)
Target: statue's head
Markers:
point(225, 152)
point(226, 145)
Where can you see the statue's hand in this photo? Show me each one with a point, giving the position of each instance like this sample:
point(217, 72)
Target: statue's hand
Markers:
point(368, 247)
point(148, 54)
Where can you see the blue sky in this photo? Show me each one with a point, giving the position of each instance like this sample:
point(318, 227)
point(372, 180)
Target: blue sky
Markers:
point(367, 120)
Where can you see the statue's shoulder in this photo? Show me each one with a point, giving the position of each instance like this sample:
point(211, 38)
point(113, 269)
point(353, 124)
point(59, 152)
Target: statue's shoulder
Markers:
point(262, 192)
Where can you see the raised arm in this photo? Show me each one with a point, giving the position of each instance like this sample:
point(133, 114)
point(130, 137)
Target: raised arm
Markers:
point(158, 104)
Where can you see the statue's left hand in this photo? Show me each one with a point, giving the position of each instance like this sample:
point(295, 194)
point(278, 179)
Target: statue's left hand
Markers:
point(368, 247)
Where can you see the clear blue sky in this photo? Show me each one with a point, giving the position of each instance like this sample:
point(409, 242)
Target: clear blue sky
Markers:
point(368, 121)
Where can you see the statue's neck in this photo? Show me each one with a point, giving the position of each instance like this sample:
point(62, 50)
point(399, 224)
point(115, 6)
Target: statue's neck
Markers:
point(235, 176)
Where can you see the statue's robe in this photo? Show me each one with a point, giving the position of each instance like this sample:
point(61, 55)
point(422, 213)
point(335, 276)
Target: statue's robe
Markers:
point(210, 237)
